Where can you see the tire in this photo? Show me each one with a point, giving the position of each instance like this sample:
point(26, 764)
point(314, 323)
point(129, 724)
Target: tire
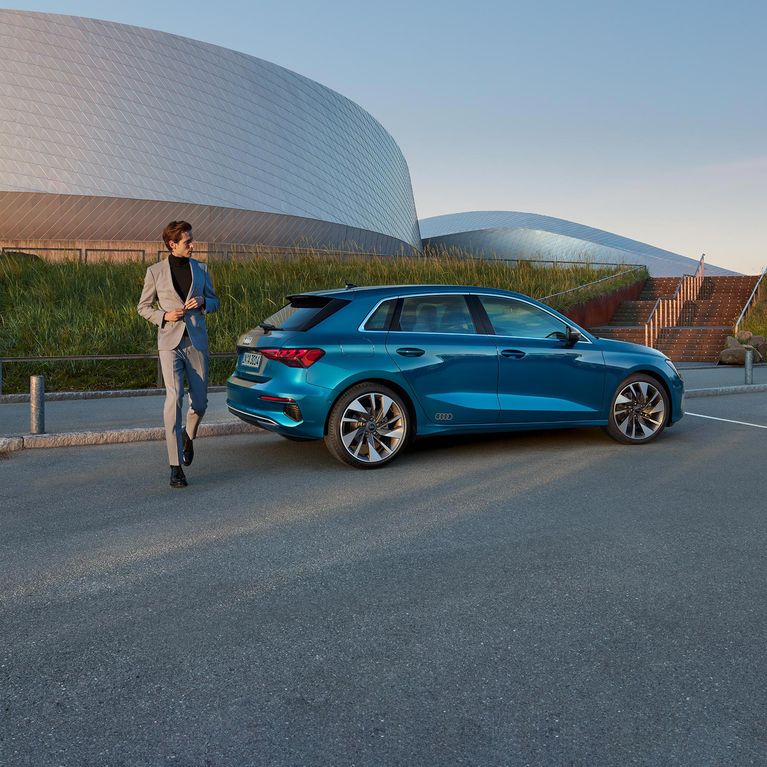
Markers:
point(368, 426)
point(638, 411)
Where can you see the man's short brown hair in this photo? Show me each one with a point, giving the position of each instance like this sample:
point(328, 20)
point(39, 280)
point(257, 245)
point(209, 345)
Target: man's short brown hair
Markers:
point(173, 232)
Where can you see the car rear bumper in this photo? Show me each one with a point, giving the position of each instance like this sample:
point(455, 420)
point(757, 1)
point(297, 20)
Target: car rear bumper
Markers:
point(301, 412)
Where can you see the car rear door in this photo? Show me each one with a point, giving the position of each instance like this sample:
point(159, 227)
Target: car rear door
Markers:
point(451, 368)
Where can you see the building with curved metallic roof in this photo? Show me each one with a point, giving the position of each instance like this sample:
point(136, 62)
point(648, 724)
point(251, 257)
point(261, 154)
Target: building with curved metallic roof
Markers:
point(109, 131)
point(508, 234)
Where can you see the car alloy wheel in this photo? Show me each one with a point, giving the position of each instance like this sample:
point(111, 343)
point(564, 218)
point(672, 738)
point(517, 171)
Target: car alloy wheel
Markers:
point(639, 410)
point(368, 426)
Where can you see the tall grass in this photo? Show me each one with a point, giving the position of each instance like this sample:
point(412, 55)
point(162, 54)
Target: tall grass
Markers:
point(756, 319)
point(69, 308)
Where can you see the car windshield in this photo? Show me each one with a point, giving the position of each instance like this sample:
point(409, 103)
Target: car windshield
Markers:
point(302, 313)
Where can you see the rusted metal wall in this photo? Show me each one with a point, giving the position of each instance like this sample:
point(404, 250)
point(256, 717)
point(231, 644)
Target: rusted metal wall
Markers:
point(600, 309)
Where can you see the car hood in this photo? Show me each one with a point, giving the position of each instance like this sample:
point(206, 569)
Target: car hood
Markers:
point(613, 345)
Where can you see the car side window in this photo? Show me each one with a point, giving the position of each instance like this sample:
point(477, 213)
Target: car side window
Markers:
point(380, 318)
point(510, 317)
point(436, 314)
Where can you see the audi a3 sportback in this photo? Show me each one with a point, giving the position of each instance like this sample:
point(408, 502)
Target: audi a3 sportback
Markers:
point(367, 369)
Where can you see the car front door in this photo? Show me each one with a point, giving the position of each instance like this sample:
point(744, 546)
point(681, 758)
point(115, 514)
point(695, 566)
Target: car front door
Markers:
point(450, 367)
point(541, 378)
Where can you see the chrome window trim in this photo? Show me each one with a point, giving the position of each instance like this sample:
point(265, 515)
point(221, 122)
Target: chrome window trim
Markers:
point(535, 306)
point(361, 328)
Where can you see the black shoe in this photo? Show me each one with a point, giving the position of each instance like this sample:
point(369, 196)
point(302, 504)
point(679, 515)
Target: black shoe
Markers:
point(187, 450)
point(177, 478)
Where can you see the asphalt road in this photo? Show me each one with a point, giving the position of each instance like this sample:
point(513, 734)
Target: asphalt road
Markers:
point(534, 599)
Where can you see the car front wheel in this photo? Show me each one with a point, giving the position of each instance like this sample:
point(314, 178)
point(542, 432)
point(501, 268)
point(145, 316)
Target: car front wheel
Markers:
point(638, 411)
point(368, 426)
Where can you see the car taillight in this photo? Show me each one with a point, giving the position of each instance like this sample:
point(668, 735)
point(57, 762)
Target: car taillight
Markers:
point(294, 358)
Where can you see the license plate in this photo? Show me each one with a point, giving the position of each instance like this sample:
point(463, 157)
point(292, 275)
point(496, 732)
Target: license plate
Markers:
point(252, 360)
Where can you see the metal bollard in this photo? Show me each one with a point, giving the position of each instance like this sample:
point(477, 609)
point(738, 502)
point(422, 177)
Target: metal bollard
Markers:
point(749, 368)
point(37, 404)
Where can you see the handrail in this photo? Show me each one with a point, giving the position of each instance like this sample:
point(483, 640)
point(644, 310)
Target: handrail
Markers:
point(754, 293)
point(666, 311)
point(594, 282)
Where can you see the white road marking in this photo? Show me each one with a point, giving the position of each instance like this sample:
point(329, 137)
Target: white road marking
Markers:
point(728, 420)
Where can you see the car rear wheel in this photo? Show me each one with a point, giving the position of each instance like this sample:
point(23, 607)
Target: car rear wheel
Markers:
point(638, 411)
point(368, 426)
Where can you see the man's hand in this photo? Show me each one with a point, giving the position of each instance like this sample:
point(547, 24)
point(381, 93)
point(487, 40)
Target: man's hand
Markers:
point(174, 315)
point(195, 302)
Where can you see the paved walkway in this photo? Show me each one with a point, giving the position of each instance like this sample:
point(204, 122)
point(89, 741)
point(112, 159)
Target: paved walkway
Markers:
point(102, 414)
point(699, 377)
point(137, 418)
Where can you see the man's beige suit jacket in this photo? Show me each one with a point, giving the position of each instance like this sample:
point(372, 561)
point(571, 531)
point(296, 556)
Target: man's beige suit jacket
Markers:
point(159, 296)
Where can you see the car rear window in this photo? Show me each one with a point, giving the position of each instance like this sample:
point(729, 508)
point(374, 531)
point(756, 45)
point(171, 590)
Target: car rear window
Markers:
point(304, 312)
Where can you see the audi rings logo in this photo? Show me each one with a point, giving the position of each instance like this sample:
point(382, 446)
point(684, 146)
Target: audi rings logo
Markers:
point(443, 416)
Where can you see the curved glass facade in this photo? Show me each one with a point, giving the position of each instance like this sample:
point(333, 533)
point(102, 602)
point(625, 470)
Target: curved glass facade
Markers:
point(99, 118)
point(508, 234)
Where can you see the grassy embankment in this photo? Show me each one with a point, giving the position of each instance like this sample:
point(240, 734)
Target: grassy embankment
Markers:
point(756, 319)
point(51, 309)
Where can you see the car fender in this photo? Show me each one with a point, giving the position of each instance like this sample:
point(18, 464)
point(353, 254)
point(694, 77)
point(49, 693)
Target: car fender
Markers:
point(387, 379)
point(673, 385)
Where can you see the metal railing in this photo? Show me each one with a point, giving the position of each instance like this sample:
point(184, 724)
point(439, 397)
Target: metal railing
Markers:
point(226, 252)
point(666, 311)
point(100, 358)
point(755, 295)
point(594, 282)
point(138, 252)
point(549, 261)
point(78, 252)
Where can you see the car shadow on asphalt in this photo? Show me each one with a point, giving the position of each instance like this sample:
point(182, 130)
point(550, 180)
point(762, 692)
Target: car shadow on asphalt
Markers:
point(575, 438)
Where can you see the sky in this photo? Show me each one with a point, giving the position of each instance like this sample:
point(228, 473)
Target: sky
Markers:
point(644, 119)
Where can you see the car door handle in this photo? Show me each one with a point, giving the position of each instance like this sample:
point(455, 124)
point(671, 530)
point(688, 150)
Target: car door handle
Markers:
point(515, 354)
point(410, 351)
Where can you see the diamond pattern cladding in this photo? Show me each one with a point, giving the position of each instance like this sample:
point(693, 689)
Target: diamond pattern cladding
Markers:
point(510, 234)
point(95, 108)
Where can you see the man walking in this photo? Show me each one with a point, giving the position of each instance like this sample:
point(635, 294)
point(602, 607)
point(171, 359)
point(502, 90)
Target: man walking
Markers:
point(177, 294)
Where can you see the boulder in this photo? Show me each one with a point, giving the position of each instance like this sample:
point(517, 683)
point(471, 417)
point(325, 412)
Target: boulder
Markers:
point(760, 344)
point(737, 356)
point(732, 343)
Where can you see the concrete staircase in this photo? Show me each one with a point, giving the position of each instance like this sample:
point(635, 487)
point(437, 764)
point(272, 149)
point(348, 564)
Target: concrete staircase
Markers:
point(703, 324)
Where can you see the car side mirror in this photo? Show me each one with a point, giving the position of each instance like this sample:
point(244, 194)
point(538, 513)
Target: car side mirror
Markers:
point(573, 336)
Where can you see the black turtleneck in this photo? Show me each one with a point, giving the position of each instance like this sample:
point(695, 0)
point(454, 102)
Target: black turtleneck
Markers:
point(181, 274)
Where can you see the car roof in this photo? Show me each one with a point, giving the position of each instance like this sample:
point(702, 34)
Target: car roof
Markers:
point(376, 291)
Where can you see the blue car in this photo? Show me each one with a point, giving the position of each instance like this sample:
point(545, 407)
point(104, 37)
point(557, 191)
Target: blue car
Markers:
point(368, 369)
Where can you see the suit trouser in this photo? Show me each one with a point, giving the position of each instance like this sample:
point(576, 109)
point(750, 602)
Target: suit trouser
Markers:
point(183, 360)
